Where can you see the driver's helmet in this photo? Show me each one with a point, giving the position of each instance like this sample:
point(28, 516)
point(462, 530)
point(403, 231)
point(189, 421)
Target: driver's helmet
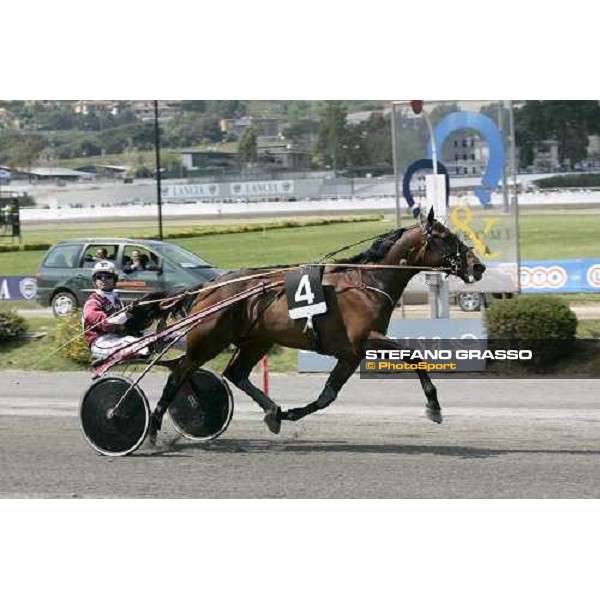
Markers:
point(104, 266)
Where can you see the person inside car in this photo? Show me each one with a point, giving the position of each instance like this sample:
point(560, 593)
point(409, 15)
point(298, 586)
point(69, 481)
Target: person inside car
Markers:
point(104, 316)
point(100, 254)
point(136, 263)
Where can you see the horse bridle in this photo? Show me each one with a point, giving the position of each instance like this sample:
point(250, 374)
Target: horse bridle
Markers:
point(453, 257)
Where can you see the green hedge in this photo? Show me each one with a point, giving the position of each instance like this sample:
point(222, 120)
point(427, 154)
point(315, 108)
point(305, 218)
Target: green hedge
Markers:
point(570, 181)
point(213, 230)
point(532, 321)
point(12, 326)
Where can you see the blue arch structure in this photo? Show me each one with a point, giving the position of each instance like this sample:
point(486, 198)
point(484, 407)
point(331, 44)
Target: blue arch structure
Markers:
point(489, 130)
point(420, 165)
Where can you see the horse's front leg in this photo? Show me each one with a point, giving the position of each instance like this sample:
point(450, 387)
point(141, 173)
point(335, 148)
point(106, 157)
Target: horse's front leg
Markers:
point(433, 411)
point(336, 380)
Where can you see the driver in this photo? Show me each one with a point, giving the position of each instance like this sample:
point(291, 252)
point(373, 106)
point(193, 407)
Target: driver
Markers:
point(103, 329)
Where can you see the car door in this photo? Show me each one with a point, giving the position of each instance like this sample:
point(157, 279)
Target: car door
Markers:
point(134, 284)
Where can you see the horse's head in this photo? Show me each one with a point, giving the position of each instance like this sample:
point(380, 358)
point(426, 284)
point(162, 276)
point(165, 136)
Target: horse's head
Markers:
point(144, 313)
point(442, 248)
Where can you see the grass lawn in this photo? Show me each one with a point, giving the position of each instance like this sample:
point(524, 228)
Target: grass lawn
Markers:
point(228, 251)
point(547, 237)
point(36, 355)
point(542, 237)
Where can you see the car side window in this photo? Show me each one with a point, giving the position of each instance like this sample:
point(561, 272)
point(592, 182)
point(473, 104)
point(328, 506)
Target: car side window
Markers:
point(63, 257)
point(98, 252)
point(139, 259)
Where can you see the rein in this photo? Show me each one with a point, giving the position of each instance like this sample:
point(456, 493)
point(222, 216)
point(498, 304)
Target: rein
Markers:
point(291, 267)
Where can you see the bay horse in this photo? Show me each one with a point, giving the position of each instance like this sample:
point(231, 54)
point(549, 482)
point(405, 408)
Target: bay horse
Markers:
point(361, 293)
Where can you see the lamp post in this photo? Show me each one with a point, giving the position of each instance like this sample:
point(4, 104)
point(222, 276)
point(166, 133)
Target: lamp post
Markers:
point(158, 182)
point(395, 159)
point(351, 163)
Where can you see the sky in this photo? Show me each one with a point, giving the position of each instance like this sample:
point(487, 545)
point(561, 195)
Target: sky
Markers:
point(313, 50)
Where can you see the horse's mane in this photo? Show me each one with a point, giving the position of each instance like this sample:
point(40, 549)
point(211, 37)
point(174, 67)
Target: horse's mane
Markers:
point(376, 253)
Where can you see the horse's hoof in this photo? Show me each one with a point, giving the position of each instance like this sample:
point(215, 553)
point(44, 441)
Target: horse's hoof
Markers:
point(434, 415)
point(273, 420)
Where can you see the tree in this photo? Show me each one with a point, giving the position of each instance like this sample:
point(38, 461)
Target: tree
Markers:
point(247, 148)
point(377, 139)
point(29, 151)
point(194, 105)
point(301, 130)
point(211, 131)
point(332, 133)
point(569, 122)
point(171, 161)
point(226, 109)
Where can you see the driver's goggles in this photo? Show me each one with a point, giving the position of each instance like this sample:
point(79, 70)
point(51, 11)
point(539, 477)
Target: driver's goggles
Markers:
point(105, 276)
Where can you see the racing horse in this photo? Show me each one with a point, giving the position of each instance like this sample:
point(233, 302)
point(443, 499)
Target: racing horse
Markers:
point(361, 293)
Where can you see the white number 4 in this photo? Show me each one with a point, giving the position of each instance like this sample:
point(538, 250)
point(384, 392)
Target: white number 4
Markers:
point(304, 293)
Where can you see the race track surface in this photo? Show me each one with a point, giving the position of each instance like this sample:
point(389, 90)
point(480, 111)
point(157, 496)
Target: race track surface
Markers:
point(500, 439)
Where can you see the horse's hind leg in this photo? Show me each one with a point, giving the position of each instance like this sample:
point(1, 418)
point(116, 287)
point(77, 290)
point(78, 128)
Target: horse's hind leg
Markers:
point(238, 372)
point(174, 381)
point(179, 372)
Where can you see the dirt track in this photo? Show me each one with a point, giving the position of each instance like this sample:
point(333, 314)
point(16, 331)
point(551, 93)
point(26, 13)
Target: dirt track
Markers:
point(510, 439)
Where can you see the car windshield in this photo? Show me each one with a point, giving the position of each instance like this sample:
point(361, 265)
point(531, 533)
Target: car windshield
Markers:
point(183, 258)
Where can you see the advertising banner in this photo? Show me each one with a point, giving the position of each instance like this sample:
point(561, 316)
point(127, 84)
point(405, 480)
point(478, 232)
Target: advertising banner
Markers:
point(17, 288)
point(172, 193)
point(560, 276)
point(262, 188)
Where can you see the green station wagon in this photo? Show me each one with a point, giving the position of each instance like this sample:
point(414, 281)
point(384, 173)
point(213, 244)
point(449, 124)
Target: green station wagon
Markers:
point(64, 277)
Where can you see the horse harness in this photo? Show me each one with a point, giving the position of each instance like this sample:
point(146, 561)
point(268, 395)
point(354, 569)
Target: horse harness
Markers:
point(361, 285)
point(452, 257)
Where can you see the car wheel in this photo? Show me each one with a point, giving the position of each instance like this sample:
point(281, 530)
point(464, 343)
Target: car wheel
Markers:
point(63, 304)
point(470, 301)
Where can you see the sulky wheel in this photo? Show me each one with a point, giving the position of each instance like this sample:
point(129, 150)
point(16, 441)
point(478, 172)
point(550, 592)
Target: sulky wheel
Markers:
point(203, 406)
point(114, 416)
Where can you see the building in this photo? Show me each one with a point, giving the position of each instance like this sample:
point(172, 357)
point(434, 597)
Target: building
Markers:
point(54, 174)
point(109, 171)
point(267, 128)
point(206, 159)
point(167, 109)
point(356, 118)
point(8, 120)
point(545, 156)
point(466, 155)
point(287, 156)
point(85, 107)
